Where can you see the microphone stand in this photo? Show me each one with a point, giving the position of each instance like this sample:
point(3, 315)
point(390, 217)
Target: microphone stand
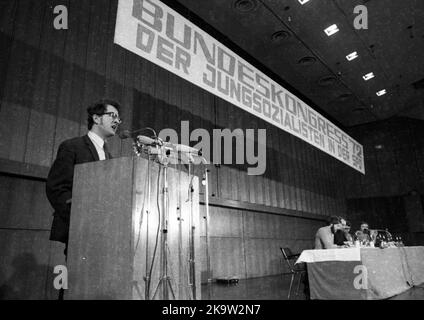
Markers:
point(165, 280)
point(208, 259)
point(192, 228)
point(191, 234)
point(163, 160)
point(180, 237)
point(147, 277)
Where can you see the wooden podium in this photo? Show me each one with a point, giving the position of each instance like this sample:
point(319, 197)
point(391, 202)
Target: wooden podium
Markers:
point(119, 228)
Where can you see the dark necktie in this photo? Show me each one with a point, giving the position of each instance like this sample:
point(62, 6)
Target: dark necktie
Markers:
point(106, 150)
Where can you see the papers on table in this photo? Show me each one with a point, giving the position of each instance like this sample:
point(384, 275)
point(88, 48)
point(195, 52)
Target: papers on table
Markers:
point(347, 254)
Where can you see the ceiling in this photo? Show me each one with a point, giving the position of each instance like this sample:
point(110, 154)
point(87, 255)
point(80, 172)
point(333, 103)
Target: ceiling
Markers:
point(279, 34)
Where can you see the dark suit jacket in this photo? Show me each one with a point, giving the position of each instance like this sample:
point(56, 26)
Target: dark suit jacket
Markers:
point(60, 180)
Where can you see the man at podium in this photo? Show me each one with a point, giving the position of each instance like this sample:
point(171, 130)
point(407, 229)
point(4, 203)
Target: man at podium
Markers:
point(103, 122)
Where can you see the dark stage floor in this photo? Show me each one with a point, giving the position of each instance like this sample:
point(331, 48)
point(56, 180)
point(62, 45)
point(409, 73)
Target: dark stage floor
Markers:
point(275, 288)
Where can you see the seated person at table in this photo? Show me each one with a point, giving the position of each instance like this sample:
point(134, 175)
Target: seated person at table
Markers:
point(324, 238)
point(346, 231)
point(364, 233)
point(341, 236)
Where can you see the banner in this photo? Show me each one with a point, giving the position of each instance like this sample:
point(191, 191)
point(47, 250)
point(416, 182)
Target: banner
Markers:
point(159, 34)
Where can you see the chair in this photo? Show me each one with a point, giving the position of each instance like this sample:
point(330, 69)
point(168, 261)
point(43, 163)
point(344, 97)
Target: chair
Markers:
point(294, 269)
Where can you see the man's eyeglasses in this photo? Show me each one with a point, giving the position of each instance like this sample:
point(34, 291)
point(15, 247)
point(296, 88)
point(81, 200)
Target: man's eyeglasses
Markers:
point(113, 115)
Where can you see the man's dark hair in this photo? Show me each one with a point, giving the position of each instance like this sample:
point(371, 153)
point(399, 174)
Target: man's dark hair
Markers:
point(364, 222)
point(334, 220)
point(348, 224)
point(99, 107)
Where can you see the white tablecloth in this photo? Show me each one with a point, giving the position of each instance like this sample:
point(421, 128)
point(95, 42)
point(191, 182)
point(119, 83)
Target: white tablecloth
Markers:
point(340, 254)
point(383, 273)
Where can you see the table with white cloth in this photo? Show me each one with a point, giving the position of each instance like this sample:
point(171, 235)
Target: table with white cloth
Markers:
point(363, 273)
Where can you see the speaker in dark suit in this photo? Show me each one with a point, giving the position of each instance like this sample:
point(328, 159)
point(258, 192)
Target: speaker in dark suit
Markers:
point(103, 122)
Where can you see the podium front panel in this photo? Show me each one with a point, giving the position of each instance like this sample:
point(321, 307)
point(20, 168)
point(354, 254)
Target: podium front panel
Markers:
point(131, 241)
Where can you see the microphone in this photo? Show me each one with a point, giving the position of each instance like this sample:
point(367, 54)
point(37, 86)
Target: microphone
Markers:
point(128, 134)
point(184, 149)
point(149, 141)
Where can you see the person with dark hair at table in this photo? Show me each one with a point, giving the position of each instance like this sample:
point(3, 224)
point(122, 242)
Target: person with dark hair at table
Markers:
point(102, 122)
point(346, 231)
point(324, 238)
point(343, 235)
point(363, 234)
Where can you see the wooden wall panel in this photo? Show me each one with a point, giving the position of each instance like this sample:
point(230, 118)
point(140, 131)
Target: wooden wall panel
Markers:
point(333, 188)
point(341, 188)
point(40, 138)
point(70, 110)
point(71, 92)
point(302, 180)
point(8, 11)
point(288, 169)
point(209, 124)
point(227, 257)
point(161, 96)
point(13, 128)
point(259, 189)
point(225, 222)
point(19, 82)
point(96, 48)
point(389, 185)
point(308, 174)
point(254, 258)
point(222, 114)
point(327, 184)
point(295, 174)
point(116, 78)
point(284, 173)
point(393, 169)
point(324, 184)
point(315, 183)
point(48, 79)
point(277, 190)
point(242, 122)
point(224, 190)
point(266, 179)
point(316, 178)
point(23, 204)
point(24, 264)
point(271, 172)
point(306, 180)
point(251, 240)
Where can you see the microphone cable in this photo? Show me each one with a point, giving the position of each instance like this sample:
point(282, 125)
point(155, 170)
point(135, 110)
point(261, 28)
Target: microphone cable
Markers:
point(157, 231)
point(142, 213)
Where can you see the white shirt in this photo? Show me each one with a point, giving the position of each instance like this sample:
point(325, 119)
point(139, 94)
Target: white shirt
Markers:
point(98, 144)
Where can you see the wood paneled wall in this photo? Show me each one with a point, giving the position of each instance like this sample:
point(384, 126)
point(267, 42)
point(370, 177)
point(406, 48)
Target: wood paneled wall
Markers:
point(394, 164)
point(246, 244)
point(394, 159)
point(47, 79)
point(27, 257)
